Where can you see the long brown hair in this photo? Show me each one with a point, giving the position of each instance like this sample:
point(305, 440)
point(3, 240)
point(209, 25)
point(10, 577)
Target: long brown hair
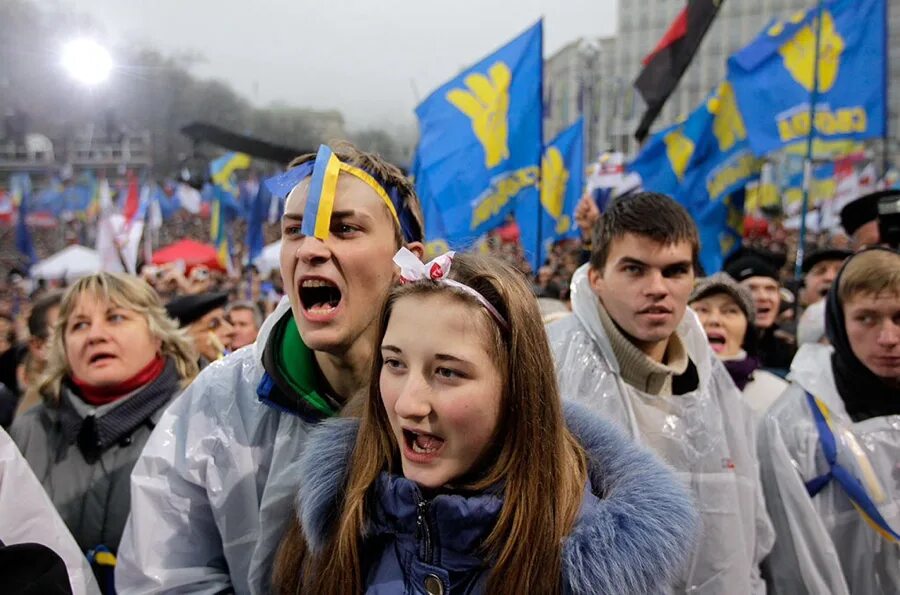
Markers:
point(540, 463)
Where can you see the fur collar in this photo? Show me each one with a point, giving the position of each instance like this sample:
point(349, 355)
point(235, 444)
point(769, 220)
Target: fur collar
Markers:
point(632, 536)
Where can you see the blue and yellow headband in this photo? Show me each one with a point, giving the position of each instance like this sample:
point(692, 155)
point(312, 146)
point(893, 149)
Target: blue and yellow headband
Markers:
point(325, 169)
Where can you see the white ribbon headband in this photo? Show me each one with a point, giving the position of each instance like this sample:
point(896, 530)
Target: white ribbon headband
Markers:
point(437, 270)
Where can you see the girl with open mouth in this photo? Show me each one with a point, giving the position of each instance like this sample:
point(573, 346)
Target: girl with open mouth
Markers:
point(466, 473)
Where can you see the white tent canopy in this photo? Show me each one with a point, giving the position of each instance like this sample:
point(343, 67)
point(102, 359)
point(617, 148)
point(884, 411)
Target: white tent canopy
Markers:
point(269, 259)
point(68, 264)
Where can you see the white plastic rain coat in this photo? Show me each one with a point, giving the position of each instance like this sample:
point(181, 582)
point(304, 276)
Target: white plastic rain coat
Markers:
point(27, 516)
point(215, 485)
point(706, 435)
point(823, 543)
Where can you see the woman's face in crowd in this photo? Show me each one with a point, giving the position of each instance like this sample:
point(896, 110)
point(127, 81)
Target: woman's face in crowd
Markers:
point(334, 283)
point(106, 344)
point(873, 328)
point(724, 323)
point(440, 387)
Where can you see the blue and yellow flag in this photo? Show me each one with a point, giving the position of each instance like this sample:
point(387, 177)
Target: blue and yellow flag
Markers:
point(218, 226)
point(823, 187)
point(773, 77)
point(480, 139)
point(222, 169)
point(562, 182)
point(224, 205)
point(706, 162)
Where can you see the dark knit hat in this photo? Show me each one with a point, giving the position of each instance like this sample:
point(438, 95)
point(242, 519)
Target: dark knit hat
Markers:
point(188, 308)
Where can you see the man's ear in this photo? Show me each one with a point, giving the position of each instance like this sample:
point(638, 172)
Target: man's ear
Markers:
point(417, 248)
point(595, 278)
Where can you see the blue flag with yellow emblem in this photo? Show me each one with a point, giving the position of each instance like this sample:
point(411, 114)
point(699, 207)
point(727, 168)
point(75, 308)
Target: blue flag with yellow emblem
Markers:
point(704, 163)
point(562, 182)
point(773, 77)
point(480, 140)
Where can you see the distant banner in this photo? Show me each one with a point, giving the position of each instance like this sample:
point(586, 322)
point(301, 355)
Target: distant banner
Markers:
point(562, 182)
point(705, 163)
point(480, 140)
point(774, 77)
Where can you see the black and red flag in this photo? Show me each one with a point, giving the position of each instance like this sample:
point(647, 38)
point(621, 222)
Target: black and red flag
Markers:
point(664, 66)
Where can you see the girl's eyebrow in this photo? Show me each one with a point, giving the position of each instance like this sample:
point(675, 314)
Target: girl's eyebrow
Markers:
point(391, 348)
point(449, 358)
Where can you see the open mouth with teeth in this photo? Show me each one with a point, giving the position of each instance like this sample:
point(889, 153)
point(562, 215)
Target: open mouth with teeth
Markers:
point(422, 445)
point(716, 340)
point(319, 296)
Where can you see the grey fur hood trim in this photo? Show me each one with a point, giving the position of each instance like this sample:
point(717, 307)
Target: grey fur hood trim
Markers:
point(632, 536)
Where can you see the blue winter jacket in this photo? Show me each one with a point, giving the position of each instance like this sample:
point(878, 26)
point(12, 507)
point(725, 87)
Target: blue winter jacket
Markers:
point(634, 531)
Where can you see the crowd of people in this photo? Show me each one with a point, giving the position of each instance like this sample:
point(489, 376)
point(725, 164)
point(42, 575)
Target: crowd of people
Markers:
point(377, 420)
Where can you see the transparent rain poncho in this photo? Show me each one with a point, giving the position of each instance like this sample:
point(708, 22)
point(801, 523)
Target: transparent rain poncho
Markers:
point(706, 435)
point(824, 544)
point(215, 485)
point(27, 516)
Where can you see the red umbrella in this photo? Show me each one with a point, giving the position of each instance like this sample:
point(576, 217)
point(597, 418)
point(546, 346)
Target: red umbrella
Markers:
point(191, 252)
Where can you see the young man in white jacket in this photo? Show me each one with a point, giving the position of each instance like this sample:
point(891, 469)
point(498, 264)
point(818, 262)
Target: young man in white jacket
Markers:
point(634, 352)
point(215, 485)
point(829, 448)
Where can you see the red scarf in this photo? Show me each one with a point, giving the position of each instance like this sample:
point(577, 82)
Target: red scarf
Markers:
point(101, 395)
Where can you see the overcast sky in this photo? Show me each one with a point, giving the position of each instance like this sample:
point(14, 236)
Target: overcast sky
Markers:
point(373, 60)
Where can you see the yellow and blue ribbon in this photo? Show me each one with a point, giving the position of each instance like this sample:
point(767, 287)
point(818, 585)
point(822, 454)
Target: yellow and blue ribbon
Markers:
point(325, 170)
point(848, 482)
point(322, 187)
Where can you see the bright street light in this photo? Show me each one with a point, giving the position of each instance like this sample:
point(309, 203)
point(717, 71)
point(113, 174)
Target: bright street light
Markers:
point(87, 61)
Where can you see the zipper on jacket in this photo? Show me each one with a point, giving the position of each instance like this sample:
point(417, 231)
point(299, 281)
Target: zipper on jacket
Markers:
point(424, 532)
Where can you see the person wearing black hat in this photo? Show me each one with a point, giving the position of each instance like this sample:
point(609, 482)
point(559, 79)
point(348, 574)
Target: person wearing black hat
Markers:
point(829, 446)
point(775, 348)
point(859, 218)
point(203, 315)
point(820, 268)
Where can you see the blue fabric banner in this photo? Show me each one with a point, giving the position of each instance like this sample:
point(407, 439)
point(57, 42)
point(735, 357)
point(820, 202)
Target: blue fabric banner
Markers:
point(480, 140)
point(773, 77)
point(562, 183)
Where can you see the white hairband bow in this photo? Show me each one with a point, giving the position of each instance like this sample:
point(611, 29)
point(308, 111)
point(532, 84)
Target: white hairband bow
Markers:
point(437, 270)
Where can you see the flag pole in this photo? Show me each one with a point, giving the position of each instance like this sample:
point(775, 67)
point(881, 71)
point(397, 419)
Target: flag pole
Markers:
point(885, 144)
point(807, 163)
point(540, 205)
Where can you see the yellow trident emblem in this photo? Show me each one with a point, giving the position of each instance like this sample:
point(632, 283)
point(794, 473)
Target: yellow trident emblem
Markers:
point(486, 103)
point(799, 53)
point(679, 150)
point(554, 179)
point(728, 125)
